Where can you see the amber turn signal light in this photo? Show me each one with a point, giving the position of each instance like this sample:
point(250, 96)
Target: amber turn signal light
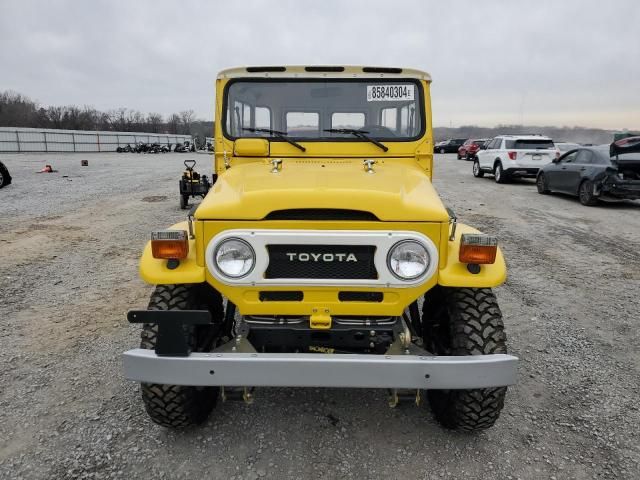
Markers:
point(479, 249)
point(169, 244)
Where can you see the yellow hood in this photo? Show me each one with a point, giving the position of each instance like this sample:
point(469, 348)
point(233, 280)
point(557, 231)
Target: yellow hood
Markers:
point(398, 190)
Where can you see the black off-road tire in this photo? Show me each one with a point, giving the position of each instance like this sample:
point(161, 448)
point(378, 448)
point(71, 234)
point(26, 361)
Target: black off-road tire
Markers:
point(177, 406)
point(464, 321)
point(585, 194)
point(477, 171)
point(541, 184)
point(459, 156)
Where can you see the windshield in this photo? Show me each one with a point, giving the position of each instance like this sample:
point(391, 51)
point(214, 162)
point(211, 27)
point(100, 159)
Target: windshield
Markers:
point(304, 110)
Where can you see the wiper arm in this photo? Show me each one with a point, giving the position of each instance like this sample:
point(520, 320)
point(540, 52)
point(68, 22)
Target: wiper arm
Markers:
point(358, 133)
point(276, 133)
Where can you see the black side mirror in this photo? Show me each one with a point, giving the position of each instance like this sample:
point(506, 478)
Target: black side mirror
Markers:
point(556, 160)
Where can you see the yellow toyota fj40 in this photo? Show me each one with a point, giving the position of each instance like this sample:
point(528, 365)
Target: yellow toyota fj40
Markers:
point(322, 256)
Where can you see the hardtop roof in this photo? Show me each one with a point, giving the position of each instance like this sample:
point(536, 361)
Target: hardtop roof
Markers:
point(322, 71)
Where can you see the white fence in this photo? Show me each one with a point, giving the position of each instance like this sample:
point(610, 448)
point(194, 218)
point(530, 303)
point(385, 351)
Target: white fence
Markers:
point(17, 140)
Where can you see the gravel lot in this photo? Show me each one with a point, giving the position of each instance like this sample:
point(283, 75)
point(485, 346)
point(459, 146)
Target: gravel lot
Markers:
point(69, 247)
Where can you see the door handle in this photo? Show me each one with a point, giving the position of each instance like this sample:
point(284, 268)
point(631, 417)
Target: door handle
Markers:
point(583, 169)
point(564, 168)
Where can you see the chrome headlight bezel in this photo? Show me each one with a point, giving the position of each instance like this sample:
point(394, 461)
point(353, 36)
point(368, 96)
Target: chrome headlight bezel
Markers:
point(424, 250)
point(216, 263)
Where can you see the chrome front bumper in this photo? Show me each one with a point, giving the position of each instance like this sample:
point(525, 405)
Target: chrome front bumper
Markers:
point(322, 370)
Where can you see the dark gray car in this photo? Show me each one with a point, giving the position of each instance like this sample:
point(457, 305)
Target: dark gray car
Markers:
point(5, 178)
point(595, 172)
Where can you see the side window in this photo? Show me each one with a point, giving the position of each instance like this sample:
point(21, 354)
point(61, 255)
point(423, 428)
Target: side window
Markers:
point(246, 115)
point(347, 120)
point(570, 158)
point(302, 122)
point(263, 117)
point(584, 156)
point(389, 118)
point(497, 143)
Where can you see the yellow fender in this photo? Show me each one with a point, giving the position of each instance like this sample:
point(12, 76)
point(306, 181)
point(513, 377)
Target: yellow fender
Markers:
point(455, 274)
point(155, 272)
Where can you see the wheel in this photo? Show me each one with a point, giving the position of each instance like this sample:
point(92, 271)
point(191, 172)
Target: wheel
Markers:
point(442, 150)
point(541, 184)
point(477, 171)
point(5, 178)
point(585, 193)
point(499, 174)
point(176, 405)
point(459, 157)
point(184, 202)
point(464, 321)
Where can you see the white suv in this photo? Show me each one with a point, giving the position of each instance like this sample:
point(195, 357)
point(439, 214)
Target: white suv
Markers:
point(509, 156)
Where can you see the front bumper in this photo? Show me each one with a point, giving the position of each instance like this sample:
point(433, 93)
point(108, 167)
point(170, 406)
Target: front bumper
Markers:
point(321, 370)
point(237, 363)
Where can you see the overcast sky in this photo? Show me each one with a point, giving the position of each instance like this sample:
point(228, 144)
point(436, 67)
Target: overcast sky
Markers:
point(534, 62)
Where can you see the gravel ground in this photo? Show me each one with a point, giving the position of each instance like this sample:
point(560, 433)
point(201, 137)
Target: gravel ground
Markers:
point(69, 246)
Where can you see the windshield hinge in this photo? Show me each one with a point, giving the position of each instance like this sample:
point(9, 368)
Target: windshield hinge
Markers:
point(227, 165)
point(453, 221)
point(368, 165)
point(276, 165)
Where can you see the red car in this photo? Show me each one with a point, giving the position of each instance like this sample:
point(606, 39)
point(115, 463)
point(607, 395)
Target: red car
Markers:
point(469, 148)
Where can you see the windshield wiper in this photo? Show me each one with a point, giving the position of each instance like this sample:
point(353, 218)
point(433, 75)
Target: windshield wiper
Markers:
point(358, 133)
point(276, 133)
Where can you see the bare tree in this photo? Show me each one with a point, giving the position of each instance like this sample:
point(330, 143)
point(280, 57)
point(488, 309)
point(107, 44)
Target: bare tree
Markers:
point(187, 117)
point(174, 123)
point(154, 120)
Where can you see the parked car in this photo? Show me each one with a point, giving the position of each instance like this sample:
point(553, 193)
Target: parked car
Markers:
point(595, 172)
point(511, 156)
point(448, 146)
point(5, 178)
point(469, 148)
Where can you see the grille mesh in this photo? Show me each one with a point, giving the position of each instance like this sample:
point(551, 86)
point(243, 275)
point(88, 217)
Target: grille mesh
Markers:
point(321, 261)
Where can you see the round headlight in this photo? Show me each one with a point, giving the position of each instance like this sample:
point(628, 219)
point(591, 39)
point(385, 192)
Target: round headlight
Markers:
point(408, 260)
point(235, 258)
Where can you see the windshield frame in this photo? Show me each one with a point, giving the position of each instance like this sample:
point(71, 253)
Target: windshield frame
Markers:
point(420, 99)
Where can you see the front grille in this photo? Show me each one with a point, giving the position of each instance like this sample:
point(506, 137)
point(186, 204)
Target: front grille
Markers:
point(344, 262)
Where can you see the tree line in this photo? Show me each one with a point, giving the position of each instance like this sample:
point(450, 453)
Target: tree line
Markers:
point(17, 110)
